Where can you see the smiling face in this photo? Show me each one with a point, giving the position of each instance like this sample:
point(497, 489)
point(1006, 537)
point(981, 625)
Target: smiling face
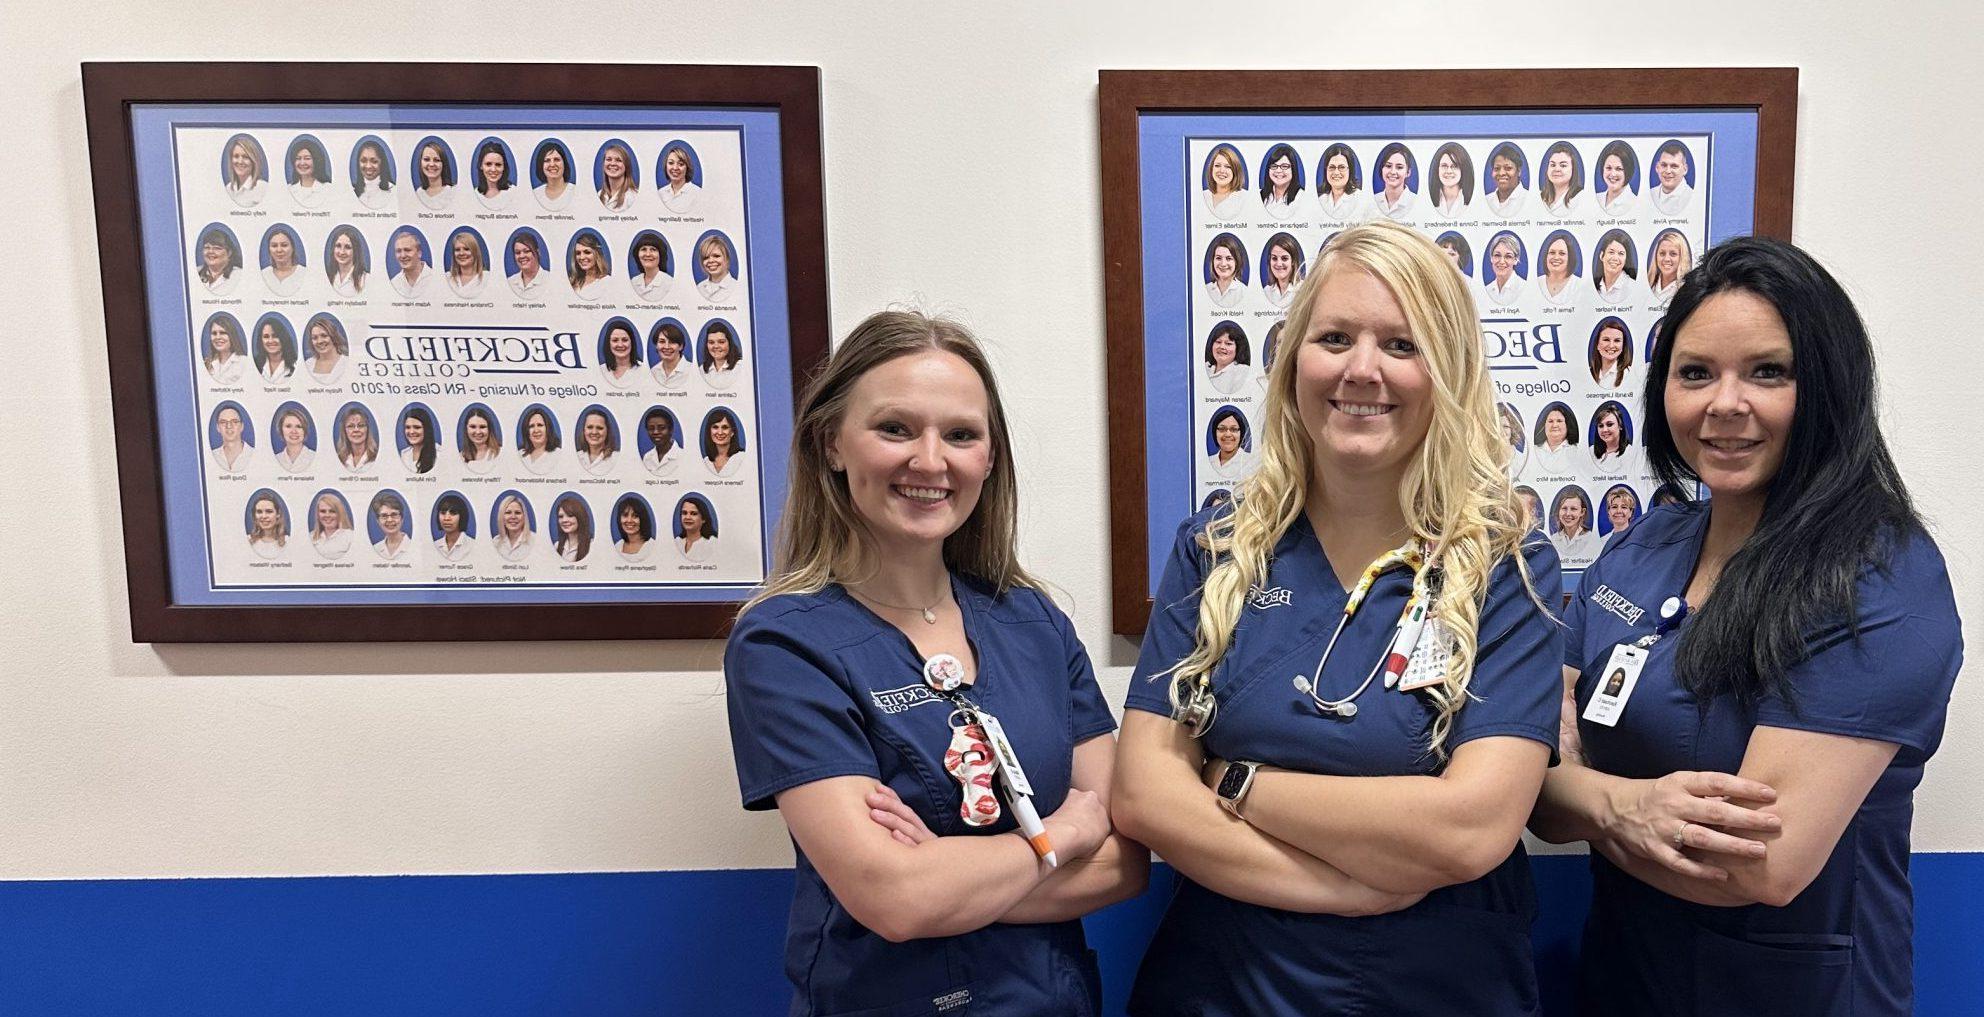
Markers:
point(390, 518)
point(1336, 173)
point(1609, 430)
point(661, 433)
point(630, 521)
point(1362, 388)
point(322, 343)
point(1557, 258)
point(1506, 173)
point(271, 342)
point(414, 429)
point(228, 422)
point(1224, 173)
point(293, 431)
point(716, 260)
point(667, 348)
point(1557, 169)
point(1281, 266)
point(467, 260)
point(584, 258)
point(494, 168)
point(1223, 349)
point(512, 518)
point(718, 343)
point(267, 517)
point(1226, 435)
point(282, 252)
point(1730, 394)
point(1613, 170)
point(1619, 510)
point(1667, 257)
point(213, 254)
point(304, 162)
point(221, 340)
point(241, 163)
point(1556, 427)
point(1570, 515)
point(1224, 264)
point(648, 256)
point(431, 165)
point(1394, 170)
point(593, 431)
point(691, 515)
point(406, 251)
point(343, 251)
point(722, 433)
point(916, 446)
point(537, 430)
point(477, 429)
point(1611, 343)
point(357, 430)
point(1671, 168)
point(552, 166)
point(1613, 257)
point(619, 346)
point(1449, 171)
point(526, 254)
point(371, 161)
point(327, 514)
point(1502, 260)
point(568, 520)
point(614, 166)
point(1281, 173)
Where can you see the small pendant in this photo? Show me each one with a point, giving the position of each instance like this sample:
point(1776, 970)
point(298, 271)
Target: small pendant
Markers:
point(930, 616)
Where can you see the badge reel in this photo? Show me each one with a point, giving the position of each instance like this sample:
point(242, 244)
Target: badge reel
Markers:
point(1621, 673)
point(969, 757)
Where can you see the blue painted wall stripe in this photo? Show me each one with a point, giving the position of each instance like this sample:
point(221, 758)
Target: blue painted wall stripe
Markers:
point(607, 944)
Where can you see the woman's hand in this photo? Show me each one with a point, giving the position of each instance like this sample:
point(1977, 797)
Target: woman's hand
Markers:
point(1079, 826)
point(1656, 819)
point(888, 809)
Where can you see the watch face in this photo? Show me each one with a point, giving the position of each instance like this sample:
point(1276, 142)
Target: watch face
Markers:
point(1230, 782)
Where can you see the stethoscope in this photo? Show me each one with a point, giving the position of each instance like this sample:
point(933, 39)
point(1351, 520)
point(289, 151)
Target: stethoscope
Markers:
point(1411, 623)
point(1194, 705)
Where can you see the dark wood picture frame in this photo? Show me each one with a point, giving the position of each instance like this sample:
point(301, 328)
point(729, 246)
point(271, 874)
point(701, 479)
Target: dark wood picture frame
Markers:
point(110, 90)
point(1126, 95)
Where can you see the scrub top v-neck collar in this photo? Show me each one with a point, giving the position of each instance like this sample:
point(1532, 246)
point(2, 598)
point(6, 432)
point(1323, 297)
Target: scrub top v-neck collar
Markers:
point(968, 612)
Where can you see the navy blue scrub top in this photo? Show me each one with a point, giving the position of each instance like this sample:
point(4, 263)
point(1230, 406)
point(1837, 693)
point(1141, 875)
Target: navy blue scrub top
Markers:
point(821, 687)
point(1462, 949)
point(1844, 946)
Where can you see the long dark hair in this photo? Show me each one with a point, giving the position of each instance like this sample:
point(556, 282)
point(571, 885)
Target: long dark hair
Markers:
point(1837, 504)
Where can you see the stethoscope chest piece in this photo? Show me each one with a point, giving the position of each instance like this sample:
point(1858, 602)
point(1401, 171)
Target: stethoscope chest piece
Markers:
point(1193, 706)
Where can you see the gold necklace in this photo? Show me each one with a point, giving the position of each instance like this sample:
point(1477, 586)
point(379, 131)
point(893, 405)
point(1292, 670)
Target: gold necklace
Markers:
point(929, 613)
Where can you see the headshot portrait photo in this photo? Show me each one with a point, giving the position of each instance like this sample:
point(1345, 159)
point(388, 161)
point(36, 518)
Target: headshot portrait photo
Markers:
point(1453, 181)
point(411, 267)
point(588, 266)
point(293, 438)
point(523, 265)
point(244, 170)
point(1281, 269)
point(1229, 444)
point(720, 352)
point(217, 260)
point(434, 173)
point(633, 528)
point(1227, 357)
point(266, 522)
point(512, 526)
point(331, 533)
point(1615, 269)
point(650, 266)
point(1616, 180)
point(1571, 530)
point(695, 528)
point(571, 528)
point(1622, 509)
point(356, 438)
point(1225, 271)
point(1670, 186)
point(537, 438)
point(1281, 181)
point(1669, 263)
point(1557, 285)
point(722, 443)
point(1561, 192)
point(452, 527)
point(1504, 270)
point(1532, 504)
point(660, 440)
point(1505, 181)
point(681, 177)
point(1456, 248)
point(223, 349)
point(1516, 435)
point(419, 439)
point(372, 173)
point(307, 168)
point(386, 525)
point(274, 349)
point(716, 268)
point(1611, 352)
point(478, 438)
point(230, 437)
point(1553, 446)
point(1223, 183)
point(493, 174)
point(671, 355)
point(551, 176)
point(282, 261)
point(1340, 185)
point(326, 348)
point(1395, 191)
point(1611, 437)
point(620, 352)
point(347, 261)
point(616, 176)
point(468, 262)
point(595, 438)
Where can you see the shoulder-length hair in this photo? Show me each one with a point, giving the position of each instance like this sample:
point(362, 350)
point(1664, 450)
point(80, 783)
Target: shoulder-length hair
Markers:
point(227, 324)
point(343, 513)
point(1463, 162)
point(1356, 179)
point(1399, 149)
point(332, 327)
point(480, 262)
point(467, 447)
point(424, 453)
point(1548, 190)
point(360, 454)
point(732, 358)
point(1837, 504)
point(822, 538)
point(1570, 423)
point(281, 529)
point(1657, 279)
point(258, 169)
point(707, 530)
point(581, 535)
point(1620, 237)
point(1617, 324)
point(320, 160)
point(1627, 160)
point(550, 431)
point(359, 255)
point(1281, 151)
point(601, 267)
point(1617, 411)
point(385, 166)
point(1233, 161)
point(1456, 494)
point(1576, 494)
point(641, 511)
point(496, 147)
point(447, 163)
point(1232, 329)
point(218, 236)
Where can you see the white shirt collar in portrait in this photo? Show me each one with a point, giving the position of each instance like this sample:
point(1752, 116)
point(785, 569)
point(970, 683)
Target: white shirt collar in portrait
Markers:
point(1567, 296)
point(410, 458)
point(1280, 208)
point(569, 552)
point(498, 203)
point(456, 552)
point(435, 201)
point(358, 460)
point(1579, 551)
point(417, 288)
point(672, 379)
point(1565, 206)
point(223, 286)
point(550, 204)
point(470, 288)
point(1449, 209)
point(483, 463)
point(1240, 465)
point(331, 376)
point(512, 550)
point(1620, 292)
point(308, 197)
point(265, 547)
point(1228, 207)
point(1504, 294)
point(299, 461)
point(1545, 461)
point(627, 378)
point(1619, 206)
point(345, 283)
point(652, 292)
point(1395, 209)
point(275, 372)
point(699, 551)
point(389, 553)
point(528, 289)
point(1278, 296)
point(1672, 202)
point(332, 545)
point(618, 202)
point(248, 196)
point(537, 462)
point(638, 555)
point(1228, 297)
point(1506, 207)
point(1613, 378)
point(1665, 293)
point(284, 286)
point(242, 457)
point(730, 465)
point(597, 465)
point(375, 197)
point(227, 372)
point(662, 458)
point(594, 290)
point(1227, 380)
point(680, 202)
point(1350, 207)
point(718, 292)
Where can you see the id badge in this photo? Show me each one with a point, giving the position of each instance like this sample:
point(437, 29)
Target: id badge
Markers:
point(1430, 656)
point(1009, 761)
point(1615, 684)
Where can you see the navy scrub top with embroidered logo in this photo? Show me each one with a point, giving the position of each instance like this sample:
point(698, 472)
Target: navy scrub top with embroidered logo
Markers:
point(1843, 946)
point(821, 687)
point(1462, 949)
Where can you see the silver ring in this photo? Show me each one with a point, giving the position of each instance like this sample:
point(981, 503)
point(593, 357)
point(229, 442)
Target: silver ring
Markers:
point(1681, 835)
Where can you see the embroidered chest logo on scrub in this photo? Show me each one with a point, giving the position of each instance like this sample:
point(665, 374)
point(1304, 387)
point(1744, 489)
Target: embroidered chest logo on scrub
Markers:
point(952, 1001)
point(897, 700)
point(1612, 601)
point(1261, 600)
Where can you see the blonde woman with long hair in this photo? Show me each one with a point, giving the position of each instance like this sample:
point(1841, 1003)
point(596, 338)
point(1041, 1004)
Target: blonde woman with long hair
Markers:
point(1345, 799)
point(859, 679)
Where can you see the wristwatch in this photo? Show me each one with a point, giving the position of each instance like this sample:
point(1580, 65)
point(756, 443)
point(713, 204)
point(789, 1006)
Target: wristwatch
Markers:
point(1235, 783)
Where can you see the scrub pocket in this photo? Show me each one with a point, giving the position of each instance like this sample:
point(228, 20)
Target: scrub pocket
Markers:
point(1773, 974)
